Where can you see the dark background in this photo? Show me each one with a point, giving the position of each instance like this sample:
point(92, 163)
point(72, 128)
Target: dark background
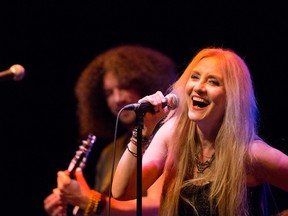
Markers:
point(55, 40)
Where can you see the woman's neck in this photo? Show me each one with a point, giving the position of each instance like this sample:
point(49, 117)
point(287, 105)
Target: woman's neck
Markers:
point(207, 149)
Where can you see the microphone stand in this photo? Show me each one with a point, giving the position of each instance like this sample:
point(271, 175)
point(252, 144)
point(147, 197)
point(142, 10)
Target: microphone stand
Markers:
point(139, 126)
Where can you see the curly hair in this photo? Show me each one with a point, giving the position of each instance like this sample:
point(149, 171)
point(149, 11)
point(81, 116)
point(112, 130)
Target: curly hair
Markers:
point(140, 68)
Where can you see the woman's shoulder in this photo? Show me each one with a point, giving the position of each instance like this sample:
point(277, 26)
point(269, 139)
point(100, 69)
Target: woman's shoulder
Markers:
point(264, 155)
point(167, 129)
point(269, 164)
point(170, 123)
point(262, 151)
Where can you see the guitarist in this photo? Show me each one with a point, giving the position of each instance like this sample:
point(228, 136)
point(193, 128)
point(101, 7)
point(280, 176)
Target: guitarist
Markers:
point(115, 78)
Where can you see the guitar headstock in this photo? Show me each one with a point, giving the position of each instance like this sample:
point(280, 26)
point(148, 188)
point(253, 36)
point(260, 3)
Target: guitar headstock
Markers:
point(80, 158)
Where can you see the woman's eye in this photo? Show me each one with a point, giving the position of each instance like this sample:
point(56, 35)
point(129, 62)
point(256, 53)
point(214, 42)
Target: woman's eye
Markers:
point(194, 76)
point(214, 82)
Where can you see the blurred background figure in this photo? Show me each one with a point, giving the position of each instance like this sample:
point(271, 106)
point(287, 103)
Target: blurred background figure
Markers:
point(119, 76)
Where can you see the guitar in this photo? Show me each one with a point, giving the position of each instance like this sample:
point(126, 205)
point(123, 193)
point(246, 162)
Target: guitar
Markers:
point(79, 160)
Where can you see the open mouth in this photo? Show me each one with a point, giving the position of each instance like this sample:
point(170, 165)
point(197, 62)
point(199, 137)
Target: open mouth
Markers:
point(199, 102)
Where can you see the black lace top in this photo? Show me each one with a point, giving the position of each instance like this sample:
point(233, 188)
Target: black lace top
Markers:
point(203, 204)
point(201, 201)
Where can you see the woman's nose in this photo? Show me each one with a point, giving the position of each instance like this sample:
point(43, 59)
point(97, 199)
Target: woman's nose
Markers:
point(199, 87)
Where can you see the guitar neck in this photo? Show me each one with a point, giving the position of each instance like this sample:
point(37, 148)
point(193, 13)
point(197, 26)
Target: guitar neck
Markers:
point(80, 158)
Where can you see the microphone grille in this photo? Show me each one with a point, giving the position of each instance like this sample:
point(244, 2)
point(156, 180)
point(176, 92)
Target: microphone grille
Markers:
point(172, 101)
point(18, 71)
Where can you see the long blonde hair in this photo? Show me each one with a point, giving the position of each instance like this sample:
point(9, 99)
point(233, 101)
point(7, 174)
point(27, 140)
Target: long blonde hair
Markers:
point(238, 130)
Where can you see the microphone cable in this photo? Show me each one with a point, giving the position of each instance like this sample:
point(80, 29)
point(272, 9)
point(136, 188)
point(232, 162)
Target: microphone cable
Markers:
point(113, 161)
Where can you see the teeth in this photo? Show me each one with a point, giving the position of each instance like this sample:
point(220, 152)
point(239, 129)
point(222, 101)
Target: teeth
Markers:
point(199, 102)
point(199, 99)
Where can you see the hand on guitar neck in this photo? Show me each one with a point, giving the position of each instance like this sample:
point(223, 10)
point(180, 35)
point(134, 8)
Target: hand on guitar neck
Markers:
point(79, 160)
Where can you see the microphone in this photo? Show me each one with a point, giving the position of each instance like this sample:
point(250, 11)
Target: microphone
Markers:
point(171, 101)
point(16, 72)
